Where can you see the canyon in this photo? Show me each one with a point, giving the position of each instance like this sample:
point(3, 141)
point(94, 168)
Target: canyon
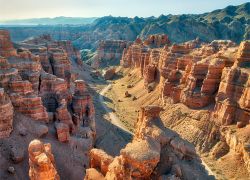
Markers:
point(230, 23)
point(127, 98)
point(202, 88)
point(178, 101)
point(42, 97)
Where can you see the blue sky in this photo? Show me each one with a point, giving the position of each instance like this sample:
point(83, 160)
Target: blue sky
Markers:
point(19, 9)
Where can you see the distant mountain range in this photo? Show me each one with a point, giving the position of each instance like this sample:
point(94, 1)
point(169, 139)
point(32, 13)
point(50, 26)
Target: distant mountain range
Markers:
point(50, 21)
point(230, 23)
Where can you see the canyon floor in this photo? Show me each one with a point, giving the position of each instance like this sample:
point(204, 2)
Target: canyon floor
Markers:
point(188, 122)
point(109, 137)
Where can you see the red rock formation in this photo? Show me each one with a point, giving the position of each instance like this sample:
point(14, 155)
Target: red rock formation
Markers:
point(63, 115)
point(199, 75)
point(60, 64)
point(232, 100)
point(6, 47)
point(26, 101)
point(6, 73)
point(92, 174)
point(83, 106)
point(155, 151)
point(135, 56)
point(100, 160)
point(52, 86)
point(62, 131)
point(189, 73)
point(157, 40)
point(44, 58)
point(108, 52)
point(6, 115)
point(20, 78)
point(109, 73)
point(39, 81)
point(41, 161)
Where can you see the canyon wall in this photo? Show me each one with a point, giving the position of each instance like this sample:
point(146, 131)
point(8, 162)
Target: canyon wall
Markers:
point(202, 76)
point(108, 53)
point(38, 81)
point(42, 97)
point(154, 153)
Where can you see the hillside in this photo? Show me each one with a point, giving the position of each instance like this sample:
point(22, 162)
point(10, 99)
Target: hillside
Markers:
point(232, 23)
point(50, 21)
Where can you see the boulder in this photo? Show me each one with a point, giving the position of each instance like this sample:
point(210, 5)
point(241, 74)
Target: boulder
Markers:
point(127, 94)
point(62, 131)
point(41, 161)
point(41, 130)
point(109, 73)
point(17, 154)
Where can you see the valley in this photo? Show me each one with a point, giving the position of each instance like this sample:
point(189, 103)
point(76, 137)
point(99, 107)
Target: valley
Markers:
point(121, 98)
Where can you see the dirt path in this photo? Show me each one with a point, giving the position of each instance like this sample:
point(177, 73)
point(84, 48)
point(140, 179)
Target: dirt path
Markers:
point(113, 118)
point(117, 122)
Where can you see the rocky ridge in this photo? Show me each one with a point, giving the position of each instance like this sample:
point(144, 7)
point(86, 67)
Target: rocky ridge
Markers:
point(154, 153)
point(211, 76)
point(38, 85)
point(108, 53)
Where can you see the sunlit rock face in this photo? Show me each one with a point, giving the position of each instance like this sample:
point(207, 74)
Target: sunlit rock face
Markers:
point(6, 114)
point(108, 53)
point(154, 152)
point(196, 74)
point(203, 76)
point(20, 79)
point(41, 162)
point(7, 49)
point(37, 81)
point(232, 100)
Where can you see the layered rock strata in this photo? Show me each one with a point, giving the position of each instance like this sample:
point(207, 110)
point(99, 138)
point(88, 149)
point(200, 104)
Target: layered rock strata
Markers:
point(155, 152)
point(190, 72)
point(40, 84)
point(203, 76)
point(6, 114)
point(109, 52)
point(20, 80)
point(7, 49)
point(232, 100)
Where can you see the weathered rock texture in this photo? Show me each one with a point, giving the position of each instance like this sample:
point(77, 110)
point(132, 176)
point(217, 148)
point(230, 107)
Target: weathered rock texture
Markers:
point(6, 114)
point(20, 79)
point(109, 52)
point(39, 82)
point(7, 49)
point(213, 77)
point(155, 152)
point(41, 162)
point(191, 73)
point(232, 101)
point(108, 74)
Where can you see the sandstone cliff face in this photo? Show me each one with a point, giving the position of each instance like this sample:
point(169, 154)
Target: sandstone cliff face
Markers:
point(82, 105)
point(39, 82)
point(200, 75)
point(6, 114)
point(157, 41)
point(155, 152)
point(7, 49)
point(108, 53)
point(232, 100)
point(189, 73)
point(41, 162)
point(20, 78)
